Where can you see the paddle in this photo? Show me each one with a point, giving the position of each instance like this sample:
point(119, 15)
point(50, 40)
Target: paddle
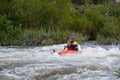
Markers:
point(54, 50)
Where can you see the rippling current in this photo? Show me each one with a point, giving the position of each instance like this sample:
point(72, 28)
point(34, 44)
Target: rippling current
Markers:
point(94, 62)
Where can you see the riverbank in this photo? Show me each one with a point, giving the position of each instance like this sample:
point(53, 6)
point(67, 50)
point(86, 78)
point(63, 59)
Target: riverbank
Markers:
point(38, 37)
point(25, 23)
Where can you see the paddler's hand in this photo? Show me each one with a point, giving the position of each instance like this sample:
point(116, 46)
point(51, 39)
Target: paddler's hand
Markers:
point(64, 48)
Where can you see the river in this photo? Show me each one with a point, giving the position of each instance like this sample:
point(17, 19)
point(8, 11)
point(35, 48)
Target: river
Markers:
point(96, 62)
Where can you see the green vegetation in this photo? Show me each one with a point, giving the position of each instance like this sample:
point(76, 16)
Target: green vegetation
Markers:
point(44, 22)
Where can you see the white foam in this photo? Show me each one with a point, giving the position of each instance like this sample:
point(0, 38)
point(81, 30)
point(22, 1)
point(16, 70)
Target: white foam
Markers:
point(94, 63)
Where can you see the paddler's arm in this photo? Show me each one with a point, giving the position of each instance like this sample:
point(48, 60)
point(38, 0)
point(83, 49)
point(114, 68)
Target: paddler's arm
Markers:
point(68, 44)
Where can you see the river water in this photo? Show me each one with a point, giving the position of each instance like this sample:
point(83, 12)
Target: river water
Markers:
point(95, 62)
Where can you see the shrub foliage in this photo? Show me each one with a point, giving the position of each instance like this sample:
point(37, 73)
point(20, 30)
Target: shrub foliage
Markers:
point(33, 22)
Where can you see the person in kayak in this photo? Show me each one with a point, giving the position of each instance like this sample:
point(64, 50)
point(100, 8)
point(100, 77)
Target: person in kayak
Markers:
point(71, 44)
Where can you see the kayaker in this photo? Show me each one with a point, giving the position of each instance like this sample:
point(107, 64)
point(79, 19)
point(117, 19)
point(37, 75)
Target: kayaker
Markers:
point(71, 44)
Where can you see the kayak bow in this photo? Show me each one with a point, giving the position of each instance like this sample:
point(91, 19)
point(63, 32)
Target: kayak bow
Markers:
point(68, 52)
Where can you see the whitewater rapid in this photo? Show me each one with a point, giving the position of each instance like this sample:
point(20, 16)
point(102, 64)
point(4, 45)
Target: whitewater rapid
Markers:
point(94, 62)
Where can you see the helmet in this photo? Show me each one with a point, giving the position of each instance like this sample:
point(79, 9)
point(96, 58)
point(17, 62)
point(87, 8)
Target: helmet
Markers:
point(71, 37)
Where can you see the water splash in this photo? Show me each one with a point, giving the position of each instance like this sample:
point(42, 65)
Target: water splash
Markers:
point(37, 63)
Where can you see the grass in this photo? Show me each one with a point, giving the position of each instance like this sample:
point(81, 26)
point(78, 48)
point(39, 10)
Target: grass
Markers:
point(36, 37)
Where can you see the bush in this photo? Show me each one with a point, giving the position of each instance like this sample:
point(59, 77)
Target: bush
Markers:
point(83, 2)
point(7, 31)
point(40, 21)
point(96, 21)
point(48, 36)
point(109, 33)
point(114, 10)
point(6, 27)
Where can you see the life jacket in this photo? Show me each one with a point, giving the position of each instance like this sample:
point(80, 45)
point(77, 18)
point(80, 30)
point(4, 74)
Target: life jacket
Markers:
point(73, 46)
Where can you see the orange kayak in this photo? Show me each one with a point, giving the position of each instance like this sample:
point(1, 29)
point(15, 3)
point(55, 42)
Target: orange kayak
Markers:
point(68, 52)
